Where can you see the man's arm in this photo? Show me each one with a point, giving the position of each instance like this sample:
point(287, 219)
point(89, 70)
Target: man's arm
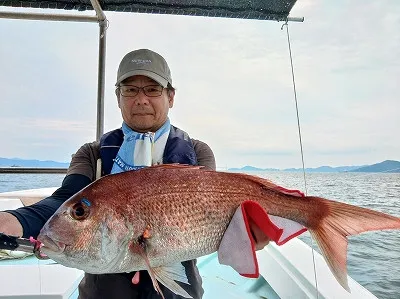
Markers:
point(32, 218)
point(10, 225)
point(27, 221)
point(205, 156)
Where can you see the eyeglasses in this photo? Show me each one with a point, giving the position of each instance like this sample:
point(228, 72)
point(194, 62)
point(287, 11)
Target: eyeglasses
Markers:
point(133, 91)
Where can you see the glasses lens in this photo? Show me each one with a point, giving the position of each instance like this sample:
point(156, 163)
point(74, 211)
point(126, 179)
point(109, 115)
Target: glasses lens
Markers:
point(153, 90)
point(150, 90)
point(129, 91)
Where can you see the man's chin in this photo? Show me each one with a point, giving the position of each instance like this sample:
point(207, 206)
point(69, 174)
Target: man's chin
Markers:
point(145, 124)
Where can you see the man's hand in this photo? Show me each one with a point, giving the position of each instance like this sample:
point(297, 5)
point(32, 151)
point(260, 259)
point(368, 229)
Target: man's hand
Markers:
point(10, 225)
point(259, 237)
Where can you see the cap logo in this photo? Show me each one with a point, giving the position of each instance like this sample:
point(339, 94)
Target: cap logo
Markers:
point(141, 61)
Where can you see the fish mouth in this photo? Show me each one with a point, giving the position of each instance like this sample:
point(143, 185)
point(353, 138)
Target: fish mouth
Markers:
point(51, 246)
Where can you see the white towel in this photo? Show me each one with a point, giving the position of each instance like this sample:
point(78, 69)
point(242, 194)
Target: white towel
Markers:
point(140, 150)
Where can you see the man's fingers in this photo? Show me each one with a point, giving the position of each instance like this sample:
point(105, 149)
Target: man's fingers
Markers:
point(260, 238)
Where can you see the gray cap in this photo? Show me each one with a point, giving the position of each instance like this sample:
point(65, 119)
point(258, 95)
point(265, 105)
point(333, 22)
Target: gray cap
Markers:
point(147, 63)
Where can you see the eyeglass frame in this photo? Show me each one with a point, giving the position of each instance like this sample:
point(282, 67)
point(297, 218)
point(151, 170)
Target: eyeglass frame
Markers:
point(141, 88)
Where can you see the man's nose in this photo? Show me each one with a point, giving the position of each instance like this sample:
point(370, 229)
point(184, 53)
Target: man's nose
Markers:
point(141, 98)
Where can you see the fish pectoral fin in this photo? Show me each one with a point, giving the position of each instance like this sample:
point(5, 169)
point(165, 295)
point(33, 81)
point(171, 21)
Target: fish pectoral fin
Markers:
point(168, 275)
point(251, 229)
point(165, 274)
point(140, 248)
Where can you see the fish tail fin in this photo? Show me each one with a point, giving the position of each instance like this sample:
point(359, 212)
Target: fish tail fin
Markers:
point(341, 221)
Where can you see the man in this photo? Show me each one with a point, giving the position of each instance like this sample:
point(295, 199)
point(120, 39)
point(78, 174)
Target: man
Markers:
point(145, 94)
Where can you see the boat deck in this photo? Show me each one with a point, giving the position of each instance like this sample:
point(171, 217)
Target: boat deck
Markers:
point(38, 279)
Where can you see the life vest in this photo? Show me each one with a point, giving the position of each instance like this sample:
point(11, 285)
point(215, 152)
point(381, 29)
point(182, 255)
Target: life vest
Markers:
point(178, 149)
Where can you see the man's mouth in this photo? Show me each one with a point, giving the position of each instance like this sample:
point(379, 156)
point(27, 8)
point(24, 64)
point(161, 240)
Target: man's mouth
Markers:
point(142, 114)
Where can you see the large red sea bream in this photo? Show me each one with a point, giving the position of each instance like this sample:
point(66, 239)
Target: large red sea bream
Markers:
point(154, 218)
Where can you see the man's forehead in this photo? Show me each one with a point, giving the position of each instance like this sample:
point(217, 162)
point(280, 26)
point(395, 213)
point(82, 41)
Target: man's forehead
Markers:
point(139, 78)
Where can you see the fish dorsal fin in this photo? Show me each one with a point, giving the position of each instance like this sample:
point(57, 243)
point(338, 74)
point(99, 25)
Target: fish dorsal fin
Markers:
point(265, 183)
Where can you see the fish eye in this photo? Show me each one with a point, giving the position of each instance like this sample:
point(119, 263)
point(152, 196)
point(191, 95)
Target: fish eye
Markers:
point(80, 210)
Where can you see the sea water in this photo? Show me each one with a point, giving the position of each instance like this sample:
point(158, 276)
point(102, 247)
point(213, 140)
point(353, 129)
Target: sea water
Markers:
point(17, 182)
point(373, 257)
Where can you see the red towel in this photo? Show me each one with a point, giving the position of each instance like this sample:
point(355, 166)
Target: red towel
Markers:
point(250, 225)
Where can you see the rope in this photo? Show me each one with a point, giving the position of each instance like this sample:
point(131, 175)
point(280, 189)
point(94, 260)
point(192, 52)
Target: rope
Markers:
point(301, 143)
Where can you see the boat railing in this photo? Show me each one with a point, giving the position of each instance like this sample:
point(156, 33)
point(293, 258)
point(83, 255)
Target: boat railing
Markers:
point(23, 170)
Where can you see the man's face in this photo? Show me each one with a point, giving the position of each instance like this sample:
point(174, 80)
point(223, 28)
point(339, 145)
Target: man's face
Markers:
point(141, 112)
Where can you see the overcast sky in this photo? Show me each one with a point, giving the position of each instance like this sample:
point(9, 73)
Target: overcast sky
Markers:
point(233, 80)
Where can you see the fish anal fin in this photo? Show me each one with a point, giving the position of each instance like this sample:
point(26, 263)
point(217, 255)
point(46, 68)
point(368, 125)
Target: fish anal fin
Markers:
point(344, 220)
point(334, 252)
point(168, 275)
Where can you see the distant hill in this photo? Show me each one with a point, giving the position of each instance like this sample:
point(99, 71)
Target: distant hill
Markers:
point(16, 162)
point(251, 168)
point(318, 169)
point(325, 169)
point(388, 166)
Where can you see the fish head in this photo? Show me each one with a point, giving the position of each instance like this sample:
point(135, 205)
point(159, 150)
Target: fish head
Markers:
point(87, 233)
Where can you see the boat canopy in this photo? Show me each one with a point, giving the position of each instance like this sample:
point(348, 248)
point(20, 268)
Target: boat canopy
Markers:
point(255, 9)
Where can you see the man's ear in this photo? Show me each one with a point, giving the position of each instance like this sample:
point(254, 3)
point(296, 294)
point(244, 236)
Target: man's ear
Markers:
point(118, 97)
point(171, 97)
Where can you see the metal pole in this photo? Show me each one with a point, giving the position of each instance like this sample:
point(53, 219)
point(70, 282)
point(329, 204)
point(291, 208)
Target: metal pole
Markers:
point(99, 11)
point(47, 17)
point(295, 19)
point(101, 69)
point(32, 170)
point(101, 79)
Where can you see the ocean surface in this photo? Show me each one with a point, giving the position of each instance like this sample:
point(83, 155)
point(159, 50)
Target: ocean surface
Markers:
point(373, 257)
